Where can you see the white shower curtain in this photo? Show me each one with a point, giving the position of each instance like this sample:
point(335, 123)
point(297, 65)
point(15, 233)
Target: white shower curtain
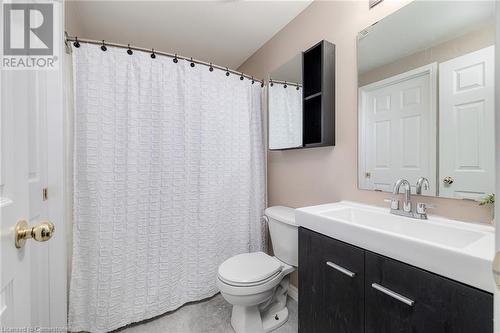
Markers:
point(169, 181)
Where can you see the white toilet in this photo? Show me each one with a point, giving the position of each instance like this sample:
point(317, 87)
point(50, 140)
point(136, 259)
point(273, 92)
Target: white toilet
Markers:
point(256, 284)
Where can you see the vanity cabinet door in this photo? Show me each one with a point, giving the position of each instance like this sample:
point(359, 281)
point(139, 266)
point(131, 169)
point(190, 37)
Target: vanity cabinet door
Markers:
point(402, 298)
point(331, 279)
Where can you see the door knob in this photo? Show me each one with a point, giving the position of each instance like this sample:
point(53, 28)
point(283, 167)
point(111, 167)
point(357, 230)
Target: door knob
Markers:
point(448, 180)
point(41, 232)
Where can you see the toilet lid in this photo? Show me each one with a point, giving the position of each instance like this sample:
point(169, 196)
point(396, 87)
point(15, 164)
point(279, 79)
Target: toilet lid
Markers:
point(249, 268)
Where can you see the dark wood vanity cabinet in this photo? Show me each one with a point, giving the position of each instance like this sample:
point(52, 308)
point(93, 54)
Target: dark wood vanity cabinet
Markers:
point(346, 289)
point(331, 300)
point(440, 304)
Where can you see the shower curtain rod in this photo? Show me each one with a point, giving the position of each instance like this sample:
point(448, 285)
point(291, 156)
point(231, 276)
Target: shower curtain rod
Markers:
point(76, 40)
point(284, 83)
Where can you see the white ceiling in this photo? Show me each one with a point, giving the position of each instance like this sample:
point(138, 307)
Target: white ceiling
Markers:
point(223, 32)
point(418, 26)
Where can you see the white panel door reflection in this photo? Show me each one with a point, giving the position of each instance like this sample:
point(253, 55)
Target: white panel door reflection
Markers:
point(398, 118)
point(467, 125)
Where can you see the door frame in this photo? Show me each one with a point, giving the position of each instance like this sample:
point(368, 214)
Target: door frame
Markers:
point(496, 295)
point(430, 69)
point(57, 196)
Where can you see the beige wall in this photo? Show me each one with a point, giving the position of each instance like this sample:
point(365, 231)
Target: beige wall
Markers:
point(313, 176)
point(467, 43)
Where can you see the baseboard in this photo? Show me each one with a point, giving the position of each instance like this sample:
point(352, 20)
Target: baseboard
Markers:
point(293, 292)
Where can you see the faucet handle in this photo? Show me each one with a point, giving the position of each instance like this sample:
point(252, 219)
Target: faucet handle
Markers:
point(394, 203)
point(422, 207)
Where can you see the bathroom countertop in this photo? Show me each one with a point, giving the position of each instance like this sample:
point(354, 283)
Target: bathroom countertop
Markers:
point(457, 250)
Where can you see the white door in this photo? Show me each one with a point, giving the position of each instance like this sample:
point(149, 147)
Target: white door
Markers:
point(15, 295)
point(398, 130)
point(33, 277)
point(467, 125)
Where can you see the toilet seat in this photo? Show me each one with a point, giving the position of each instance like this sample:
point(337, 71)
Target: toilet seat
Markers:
point(249, 269)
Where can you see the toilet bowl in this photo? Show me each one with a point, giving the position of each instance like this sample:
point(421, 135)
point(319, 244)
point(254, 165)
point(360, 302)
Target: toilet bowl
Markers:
point(256, 284)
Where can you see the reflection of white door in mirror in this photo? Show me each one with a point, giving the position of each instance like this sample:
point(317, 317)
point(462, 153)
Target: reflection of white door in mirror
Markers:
point(466, 125)
point(397, 130)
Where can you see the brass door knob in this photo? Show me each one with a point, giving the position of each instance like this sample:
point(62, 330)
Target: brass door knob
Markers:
point(41, 232)
point(448, 180)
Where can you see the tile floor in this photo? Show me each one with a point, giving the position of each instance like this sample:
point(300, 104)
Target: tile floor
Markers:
point(209, 316)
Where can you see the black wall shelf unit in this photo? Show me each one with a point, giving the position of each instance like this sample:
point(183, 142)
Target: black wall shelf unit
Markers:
point(318, 108)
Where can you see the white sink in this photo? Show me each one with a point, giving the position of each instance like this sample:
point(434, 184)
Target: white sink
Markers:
point(457, 250)
point(448, 235)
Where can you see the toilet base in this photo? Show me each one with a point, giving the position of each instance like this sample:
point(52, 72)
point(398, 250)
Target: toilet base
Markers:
point(249, 319)
point(273, 320)
point(264, 317)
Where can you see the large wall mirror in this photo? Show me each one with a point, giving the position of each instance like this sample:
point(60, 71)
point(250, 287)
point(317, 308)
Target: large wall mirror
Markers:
point(426, 100)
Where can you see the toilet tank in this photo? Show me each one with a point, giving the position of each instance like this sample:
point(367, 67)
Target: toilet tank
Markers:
point(284, 234)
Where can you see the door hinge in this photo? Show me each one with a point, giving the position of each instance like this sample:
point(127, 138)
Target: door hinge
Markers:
point(45, 194)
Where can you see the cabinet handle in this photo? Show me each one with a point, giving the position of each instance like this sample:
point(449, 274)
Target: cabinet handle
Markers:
point(393, 294)
point(341, 269)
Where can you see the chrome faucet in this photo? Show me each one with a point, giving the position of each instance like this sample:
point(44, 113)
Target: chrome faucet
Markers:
point(421, 182)
point(407, 201)
point(407, 206)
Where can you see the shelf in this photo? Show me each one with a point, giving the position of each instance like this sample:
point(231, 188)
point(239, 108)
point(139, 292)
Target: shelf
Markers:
point(312, 96)
point(312, 74)
point(318, 105)
point(312, 125)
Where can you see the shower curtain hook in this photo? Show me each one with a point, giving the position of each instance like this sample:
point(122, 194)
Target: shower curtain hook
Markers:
point(297, 86)
point(153, 55)
point(227, 71)
point(241, 77)
point(175, 59)
point(253, 81)
point(192, 63)
point(284, 86)
point(129, 51)
point(271, 83)
point(76, 43)
point(211, 68)
point(262, 84)
point(103, 47)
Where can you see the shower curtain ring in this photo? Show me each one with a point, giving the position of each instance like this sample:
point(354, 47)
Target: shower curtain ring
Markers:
point(175, 59)
point(284, 86)
point(153, 55)
point(129, 51)
point(227, 71)
point(103, 47)
point(211, 68)
point(241, 77)
point(76, 43)
point(192, 63)
point(253, 81)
